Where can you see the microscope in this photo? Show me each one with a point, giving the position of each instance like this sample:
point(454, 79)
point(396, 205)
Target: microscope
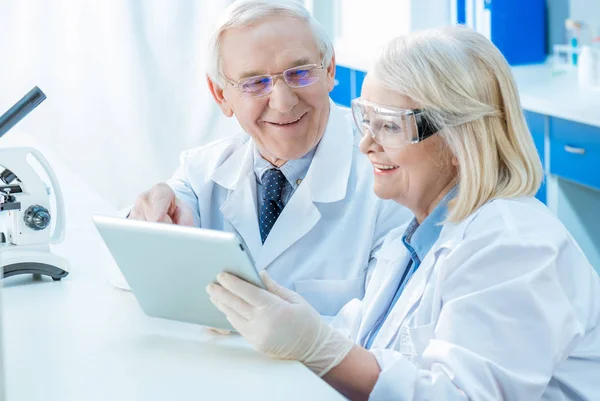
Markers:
point(25, 204)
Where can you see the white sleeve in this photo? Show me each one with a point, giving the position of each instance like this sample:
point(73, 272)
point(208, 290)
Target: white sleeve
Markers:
point(180, 184)
point(505, 324)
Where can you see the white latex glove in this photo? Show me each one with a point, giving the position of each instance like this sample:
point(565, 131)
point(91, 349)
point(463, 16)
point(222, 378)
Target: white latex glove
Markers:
point(279, 322)
point(221, 332)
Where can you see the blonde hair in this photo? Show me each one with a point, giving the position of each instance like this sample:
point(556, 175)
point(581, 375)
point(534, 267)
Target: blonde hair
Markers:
point(245, 13)
point(467, 89)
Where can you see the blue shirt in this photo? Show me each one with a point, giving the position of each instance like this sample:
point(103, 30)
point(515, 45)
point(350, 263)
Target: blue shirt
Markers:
point(418, 240)
point(294, 172)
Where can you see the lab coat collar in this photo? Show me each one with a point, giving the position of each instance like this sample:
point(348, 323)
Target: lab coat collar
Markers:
point(236, 174)
point(421, 237)
point(326, 181)
point(450, 236)
point(393, 259)
point(391, 277)
point(396, 257)
point(328, 174)
point(409, 299)
point(393, 247)
point(236, 167)
point(453, 233)
point(293, 170)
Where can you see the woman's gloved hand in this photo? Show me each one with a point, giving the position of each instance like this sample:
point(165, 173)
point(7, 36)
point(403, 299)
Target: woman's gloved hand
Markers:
point(279, 322)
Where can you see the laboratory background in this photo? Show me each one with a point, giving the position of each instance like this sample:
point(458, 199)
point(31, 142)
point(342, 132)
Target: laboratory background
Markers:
point(126, 83)
point(126, 94)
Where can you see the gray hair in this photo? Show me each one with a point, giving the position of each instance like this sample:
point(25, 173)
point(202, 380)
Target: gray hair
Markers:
point(245, 13)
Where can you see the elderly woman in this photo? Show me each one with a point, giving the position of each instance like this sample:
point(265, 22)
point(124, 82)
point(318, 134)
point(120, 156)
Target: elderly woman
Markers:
point(484, 295)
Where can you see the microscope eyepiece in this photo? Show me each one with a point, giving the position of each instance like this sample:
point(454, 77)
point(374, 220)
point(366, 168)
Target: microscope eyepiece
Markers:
point(23, 107)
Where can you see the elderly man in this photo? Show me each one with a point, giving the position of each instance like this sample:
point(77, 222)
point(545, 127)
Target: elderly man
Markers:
point(293, 185)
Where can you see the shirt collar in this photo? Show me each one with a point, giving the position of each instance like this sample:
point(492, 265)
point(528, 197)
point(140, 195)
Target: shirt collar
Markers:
point(419, 238)
point(294, 171)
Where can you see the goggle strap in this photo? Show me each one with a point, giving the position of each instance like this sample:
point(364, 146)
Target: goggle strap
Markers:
point(425, 127)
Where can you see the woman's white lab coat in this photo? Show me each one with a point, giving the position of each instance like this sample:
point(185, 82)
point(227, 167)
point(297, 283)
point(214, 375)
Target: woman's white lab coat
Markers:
point(504, 307)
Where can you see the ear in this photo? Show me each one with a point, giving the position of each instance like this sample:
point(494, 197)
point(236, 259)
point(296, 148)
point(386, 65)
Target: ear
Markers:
point(218, 94)
point(331, 73)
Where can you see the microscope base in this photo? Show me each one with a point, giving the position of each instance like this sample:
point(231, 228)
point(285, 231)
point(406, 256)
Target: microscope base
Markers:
point(33, 260)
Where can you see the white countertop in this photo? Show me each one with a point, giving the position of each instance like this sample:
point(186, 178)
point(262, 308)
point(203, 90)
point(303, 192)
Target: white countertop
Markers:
point(84, 339)
point(557, 94)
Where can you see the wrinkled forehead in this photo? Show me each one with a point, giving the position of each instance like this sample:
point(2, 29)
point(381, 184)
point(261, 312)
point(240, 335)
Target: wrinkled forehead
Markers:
point(374, 91)
point(270, 46)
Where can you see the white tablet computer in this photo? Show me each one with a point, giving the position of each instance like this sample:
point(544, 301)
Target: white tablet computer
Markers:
point(168, 266)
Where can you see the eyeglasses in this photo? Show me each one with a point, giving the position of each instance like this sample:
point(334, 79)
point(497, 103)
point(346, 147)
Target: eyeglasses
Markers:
point(391, 127)
point(261, 85)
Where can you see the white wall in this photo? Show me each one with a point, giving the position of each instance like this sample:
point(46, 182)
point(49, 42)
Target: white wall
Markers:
point(374, 22)
point(587, 11)
point(359, 28)
point(125, 79)
point(427, 14)
point(125, 84)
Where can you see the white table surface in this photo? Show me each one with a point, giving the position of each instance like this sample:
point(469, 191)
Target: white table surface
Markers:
point(85, 339)
point(557, 94)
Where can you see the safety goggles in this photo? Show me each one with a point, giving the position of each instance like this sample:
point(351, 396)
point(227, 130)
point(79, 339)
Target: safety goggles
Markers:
point(261, 85)
point(391, 127)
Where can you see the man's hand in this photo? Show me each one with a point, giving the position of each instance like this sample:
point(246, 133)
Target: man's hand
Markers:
point(160, 204)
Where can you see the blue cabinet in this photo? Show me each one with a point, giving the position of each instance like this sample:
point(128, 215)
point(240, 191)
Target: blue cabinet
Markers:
point(575, 152)
point(348, 85)
point(537, 125)
point(517, 27)
point(342, 91)
point(572, 166)
point(358, 82)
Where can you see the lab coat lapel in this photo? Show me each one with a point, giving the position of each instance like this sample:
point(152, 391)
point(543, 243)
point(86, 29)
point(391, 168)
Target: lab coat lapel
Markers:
point(325, 181)
point(396, 259)
point(237, 175)
point(297, 218)
point(415, 288)
point(411, 295)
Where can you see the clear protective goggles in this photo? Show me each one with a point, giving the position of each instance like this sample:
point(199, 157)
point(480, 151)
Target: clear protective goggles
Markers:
point(391, 127)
